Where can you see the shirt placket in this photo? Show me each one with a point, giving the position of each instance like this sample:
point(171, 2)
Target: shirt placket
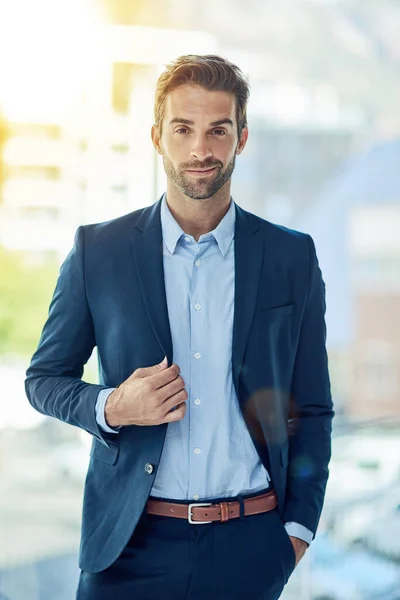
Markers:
point(198, 350)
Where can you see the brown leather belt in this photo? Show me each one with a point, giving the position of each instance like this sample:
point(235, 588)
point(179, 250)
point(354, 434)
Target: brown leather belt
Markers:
point(199, 513)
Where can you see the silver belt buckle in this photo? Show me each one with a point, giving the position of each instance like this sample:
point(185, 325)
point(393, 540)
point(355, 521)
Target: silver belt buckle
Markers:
point(190, 513)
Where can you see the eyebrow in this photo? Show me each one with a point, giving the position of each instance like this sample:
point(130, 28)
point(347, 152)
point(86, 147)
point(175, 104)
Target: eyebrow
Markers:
point(178, 120)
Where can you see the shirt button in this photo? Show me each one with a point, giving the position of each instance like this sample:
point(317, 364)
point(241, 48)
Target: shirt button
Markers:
point(197, 263)
point(148, 468)
point(197, 450)
point(197, 355)
point(196, 497)
point(197, 306)
point(187, 238)
point(197, 401)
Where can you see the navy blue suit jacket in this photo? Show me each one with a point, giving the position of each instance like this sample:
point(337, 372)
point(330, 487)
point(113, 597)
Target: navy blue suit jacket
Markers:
point(110, 294)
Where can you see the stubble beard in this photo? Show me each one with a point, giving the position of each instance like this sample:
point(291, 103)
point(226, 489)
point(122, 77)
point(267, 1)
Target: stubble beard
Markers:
point(201, 189)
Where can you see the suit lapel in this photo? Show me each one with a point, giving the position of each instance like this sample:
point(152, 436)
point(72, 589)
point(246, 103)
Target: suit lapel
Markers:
point(147, 246)
point(248, 261)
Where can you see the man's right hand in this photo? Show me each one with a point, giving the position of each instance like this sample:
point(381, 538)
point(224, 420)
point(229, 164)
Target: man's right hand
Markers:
point(147, 397)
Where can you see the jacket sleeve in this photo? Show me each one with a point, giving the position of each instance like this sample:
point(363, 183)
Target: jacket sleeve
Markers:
point(53, 380)
point(311, 418)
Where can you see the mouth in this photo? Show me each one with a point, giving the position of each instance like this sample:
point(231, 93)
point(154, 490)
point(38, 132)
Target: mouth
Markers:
point(201, 172)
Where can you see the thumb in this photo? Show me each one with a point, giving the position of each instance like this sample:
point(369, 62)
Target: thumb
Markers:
point(147, 371)
point(163, 364)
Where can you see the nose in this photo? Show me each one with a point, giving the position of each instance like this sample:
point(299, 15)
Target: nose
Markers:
point(201, 149)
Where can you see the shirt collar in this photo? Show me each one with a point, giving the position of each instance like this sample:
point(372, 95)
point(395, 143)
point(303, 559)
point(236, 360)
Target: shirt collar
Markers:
point(172, 231)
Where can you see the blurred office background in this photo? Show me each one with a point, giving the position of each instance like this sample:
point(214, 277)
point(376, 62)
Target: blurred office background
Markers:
point(76, 106)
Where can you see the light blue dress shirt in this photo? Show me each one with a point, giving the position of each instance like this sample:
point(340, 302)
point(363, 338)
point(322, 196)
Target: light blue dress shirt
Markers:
point(211, 444)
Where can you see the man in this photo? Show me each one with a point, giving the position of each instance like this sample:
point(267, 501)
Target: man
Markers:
point(212, 422)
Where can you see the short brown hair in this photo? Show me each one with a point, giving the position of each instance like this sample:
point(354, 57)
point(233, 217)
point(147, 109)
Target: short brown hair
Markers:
point(210, 72)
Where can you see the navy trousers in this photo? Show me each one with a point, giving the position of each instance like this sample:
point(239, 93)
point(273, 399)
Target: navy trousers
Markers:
point(171, 559)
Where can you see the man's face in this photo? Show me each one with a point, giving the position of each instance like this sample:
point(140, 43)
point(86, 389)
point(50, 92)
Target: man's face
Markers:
point(199, 140)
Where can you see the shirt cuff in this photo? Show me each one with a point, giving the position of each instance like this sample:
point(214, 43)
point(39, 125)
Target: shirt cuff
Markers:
point(100, 414)
point(299, 531)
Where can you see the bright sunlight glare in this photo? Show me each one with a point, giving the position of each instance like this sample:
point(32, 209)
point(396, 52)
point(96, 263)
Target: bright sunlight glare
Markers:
point(46, 47)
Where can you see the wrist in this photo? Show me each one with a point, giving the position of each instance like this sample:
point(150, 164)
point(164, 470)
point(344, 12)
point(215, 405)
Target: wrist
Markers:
point(299, 542)
point(109, 410)
point(299, 547)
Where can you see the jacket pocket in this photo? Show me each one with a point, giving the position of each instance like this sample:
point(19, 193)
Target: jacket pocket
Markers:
point(276, 311)
point(103, 454)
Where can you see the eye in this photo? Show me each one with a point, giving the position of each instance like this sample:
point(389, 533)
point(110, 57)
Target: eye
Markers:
point(182, 130)
point(219, 132)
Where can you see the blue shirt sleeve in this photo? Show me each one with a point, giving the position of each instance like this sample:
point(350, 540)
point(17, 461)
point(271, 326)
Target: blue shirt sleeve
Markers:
point(299, 531)
point(100, 405)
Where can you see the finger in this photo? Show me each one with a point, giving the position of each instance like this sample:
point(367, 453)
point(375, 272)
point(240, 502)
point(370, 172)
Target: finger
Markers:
point(159, 380)
point(174, 400)
point(175, 415)
point(169, 389)
point(148, 371)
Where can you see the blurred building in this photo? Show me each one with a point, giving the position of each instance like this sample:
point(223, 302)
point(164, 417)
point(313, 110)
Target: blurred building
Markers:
point(299, 134)
point(3, 136)
point(37, 206)
point(285, 166)
point(94, 160)
point(355, 224)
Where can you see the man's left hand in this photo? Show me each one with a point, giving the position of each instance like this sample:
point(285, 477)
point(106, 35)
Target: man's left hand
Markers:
point(299, 546)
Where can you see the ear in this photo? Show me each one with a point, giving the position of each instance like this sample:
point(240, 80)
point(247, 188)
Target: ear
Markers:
point(243, 140)
point(156, 139)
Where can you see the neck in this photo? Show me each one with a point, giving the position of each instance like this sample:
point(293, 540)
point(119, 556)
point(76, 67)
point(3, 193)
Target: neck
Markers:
point(197, 217)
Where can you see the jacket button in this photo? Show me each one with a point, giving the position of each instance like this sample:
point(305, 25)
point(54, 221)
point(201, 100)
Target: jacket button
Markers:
point(148, 468)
